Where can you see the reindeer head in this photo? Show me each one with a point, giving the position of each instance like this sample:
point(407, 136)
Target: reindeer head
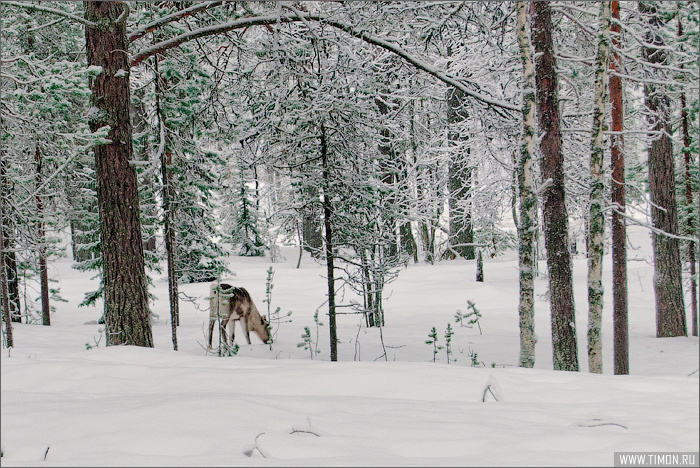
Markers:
point(263, 330)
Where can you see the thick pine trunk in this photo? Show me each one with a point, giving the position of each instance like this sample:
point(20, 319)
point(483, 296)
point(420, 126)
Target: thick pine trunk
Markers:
point(127, 316)
point(527, 197)
point(619, 228)
point(668, 285)
point(596, 224)
point(690, 226)
point(556, 220)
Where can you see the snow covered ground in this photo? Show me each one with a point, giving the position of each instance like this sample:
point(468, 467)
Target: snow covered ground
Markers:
point(65, 405)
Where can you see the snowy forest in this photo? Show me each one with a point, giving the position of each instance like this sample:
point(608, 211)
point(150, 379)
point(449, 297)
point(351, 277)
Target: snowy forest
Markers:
point(368, 153)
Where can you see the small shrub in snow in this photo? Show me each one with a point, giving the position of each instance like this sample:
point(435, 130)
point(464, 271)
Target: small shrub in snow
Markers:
point(470, 318)
point(448, 341)
point(433, 341)
point(309, 343)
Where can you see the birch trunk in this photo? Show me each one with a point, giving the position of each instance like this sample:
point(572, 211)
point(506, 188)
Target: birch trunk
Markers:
point(526, 195)
point(596, 224)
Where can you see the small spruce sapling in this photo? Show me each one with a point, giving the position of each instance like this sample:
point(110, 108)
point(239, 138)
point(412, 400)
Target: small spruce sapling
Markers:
point(97, 341)
point(307, 342)
point(433, 341)
point(273, 317)
point(448, 342)
point(470, 318)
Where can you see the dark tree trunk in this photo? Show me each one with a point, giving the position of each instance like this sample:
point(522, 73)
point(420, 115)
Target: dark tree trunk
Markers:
point(168, 212)
point(479, 268)
point(387, 172)
point(41, 234)
point(127, 316)
point(689, 200)
point(12, 282)
point(141, 129)
point(170, 246)
point(312, 236)
point(330, 255)
point(460, 181)
point(4, 294)
point(408, 241)
point(556, 224)
point(668, 285)
point(3, 284)
point(619, 229)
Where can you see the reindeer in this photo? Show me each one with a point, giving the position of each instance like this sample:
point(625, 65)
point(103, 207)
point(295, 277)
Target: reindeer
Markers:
point(231, 303)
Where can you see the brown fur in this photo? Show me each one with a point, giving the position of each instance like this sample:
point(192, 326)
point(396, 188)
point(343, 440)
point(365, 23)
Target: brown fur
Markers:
point(231, 303)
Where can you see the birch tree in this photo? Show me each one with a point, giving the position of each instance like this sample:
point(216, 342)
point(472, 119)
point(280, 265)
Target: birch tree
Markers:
point(596, 223)
point(527, 197)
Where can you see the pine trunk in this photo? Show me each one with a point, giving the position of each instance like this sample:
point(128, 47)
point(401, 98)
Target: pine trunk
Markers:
point(127, 315)
point(169, 234)
point(41, 235)
point(330, 256)
point(4, 293)
point(556, 220)
point(690, 226)
point(527, 197)
point(460, 180)
point(619, 228)
point(668, 285)
point(596, 224)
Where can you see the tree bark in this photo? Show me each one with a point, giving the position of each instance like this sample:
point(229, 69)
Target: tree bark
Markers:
point(619, 228)
point(41, 248)
point(127, 316)
point(596, 224)
point(4, 295)
point(528, 200)
point(668, 284)
point(460, 181)
point(690, 225)
point(168, 213)
point(330, 255)
point(556, 221)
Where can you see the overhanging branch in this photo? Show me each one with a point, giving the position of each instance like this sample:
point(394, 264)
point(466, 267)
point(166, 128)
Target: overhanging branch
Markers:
point(176, 41)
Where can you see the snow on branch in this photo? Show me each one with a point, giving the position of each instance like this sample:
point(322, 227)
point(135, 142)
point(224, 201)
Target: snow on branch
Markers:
point(365, 36)
point(196, 8)
point(31, 7)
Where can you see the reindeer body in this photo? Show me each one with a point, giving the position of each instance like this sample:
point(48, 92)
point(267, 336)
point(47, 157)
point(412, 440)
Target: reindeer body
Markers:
point(231, 303)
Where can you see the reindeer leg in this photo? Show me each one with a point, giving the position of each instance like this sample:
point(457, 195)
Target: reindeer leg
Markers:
point(224, 335)
point(246, 329)
point(233, 331)
point(211, 329)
